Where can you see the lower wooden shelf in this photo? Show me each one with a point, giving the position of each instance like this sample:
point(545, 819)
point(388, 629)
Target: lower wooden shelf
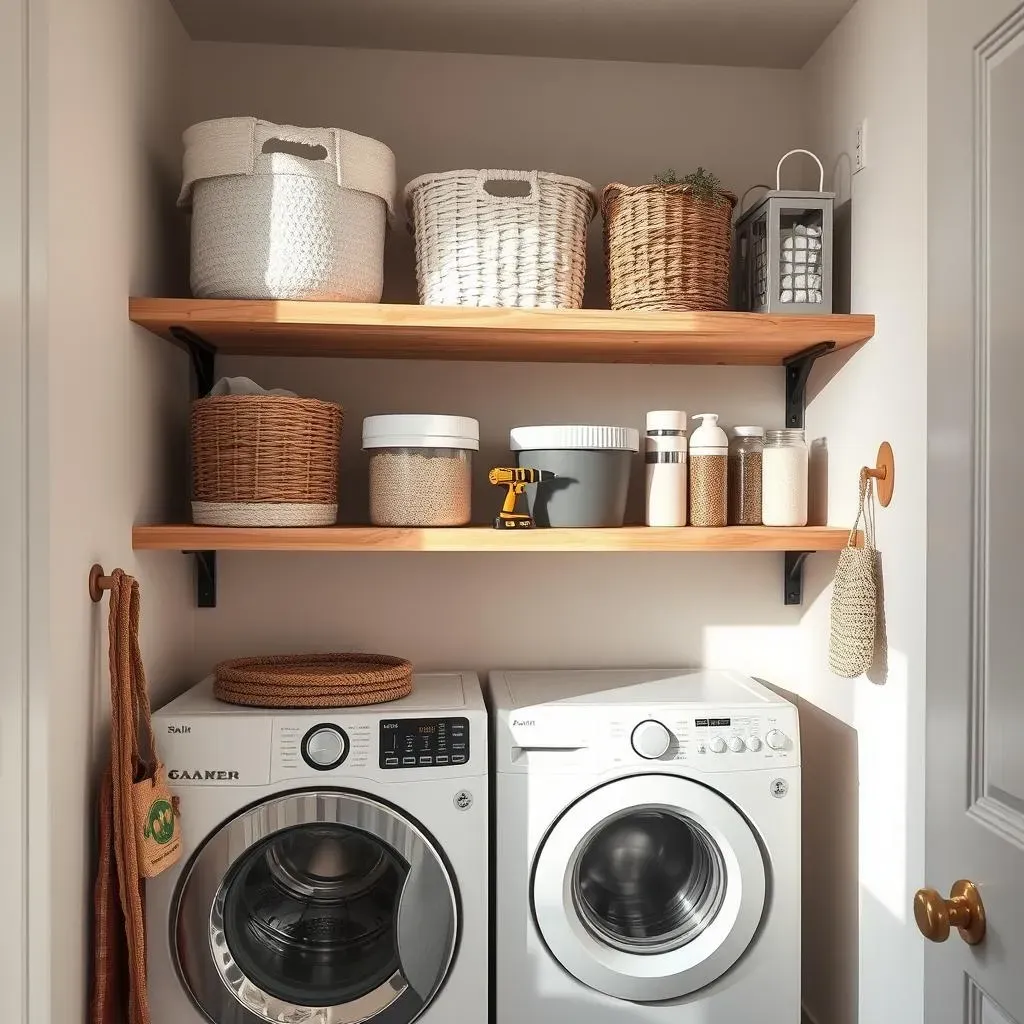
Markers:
point(484, 538)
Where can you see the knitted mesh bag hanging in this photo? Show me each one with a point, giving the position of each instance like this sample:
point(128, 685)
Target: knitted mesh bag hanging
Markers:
point(854, 615)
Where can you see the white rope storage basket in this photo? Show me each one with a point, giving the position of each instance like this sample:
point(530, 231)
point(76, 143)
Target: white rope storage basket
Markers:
point(478, 248)
point(280, 212)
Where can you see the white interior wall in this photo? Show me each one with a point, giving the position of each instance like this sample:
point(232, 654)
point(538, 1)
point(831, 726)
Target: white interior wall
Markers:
point(117, 400)
point(601, 122)
point(864, 845)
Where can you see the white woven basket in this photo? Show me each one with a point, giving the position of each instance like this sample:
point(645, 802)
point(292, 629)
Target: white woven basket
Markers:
point(475, 248)
point(280, 212)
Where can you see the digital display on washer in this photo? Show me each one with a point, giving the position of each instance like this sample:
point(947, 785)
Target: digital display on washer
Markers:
point(713, 723)
point(423, 742)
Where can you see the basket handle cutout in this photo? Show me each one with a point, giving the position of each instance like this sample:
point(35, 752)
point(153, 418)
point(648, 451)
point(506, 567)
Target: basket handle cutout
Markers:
point(508, 186)
point(508, 189)
point(292, 147)
point(806, 152)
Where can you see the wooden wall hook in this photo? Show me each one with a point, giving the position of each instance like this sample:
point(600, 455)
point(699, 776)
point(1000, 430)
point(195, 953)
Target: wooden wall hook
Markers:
point(883, 473)
point(98, 582)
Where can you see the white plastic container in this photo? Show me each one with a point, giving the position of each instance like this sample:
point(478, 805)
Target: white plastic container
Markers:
point(665, 462)
point(709, 468)
point(280, 212)
point(421, 469)
point(784, 478)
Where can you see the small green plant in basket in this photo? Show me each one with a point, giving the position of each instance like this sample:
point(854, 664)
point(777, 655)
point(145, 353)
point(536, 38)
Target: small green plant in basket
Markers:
point(703, 184)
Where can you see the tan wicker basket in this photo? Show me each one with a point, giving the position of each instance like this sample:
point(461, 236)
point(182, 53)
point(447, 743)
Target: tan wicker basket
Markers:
point(667, 249)
point(265, 460)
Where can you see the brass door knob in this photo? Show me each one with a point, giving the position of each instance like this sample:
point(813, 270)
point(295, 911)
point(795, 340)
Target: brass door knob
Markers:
point(963, 910)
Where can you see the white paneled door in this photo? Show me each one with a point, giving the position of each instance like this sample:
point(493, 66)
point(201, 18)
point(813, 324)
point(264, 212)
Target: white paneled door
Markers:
point(975, 812)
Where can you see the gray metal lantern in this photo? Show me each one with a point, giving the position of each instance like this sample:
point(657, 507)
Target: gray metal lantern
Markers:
point(784, 249)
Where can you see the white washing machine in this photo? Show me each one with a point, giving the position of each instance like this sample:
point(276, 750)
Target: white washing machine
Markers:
point(335, 865)
point(647, 848)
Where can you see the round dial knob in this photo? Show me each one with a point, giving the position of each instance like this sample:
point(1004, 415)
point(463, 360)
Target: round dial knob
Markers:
point(736, 745)
point(754, 742)
point(717, 745)
point(651, 739)
point(776, 739)
point(324, 747)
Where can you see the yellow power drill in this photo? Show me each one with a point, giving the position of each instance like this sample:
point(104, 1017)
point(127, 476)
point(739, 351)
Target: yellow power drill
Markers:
point(515, 478)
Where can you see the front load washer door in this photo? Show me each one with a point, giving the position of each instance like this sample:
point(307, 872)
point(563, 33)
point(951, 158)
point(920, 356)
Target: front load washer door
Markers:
point(322, 906)
point(649, 888)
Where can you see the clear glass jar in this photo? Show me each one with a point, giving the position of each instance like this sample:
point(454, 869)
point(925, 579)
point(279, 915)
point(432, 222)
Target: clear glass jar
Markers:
point(746, 447)
point(784, 478)
point(412, 486)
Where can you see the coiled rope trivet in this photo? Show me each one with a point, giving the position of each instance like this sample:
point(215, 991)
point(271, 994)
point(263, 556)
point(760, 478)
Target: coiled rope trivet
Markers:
point(313, 680)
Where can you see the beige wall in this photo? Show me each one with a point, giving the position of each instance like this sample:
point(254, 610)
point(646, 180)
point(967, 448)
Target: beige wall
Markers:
point(117, 401)
point(865, 843)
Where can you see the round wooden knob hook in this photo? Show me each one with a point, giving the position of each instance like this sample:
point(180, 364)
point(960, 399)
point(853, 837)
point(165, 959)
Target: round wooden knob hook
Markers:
point(883, 473)
point(98, 582)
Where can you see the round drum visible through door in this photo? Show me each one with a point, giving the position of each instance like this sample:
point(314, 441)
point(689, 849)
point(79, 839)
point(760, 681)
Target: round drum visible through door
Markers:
point(649, 888)
point(324, 901)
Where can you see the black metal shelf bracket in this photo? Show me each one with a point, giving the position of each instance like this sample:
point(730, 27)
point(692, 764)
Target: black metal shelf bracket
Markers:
point(793, 576)
point(206, 578)
point(202, 356)
point(798, 369)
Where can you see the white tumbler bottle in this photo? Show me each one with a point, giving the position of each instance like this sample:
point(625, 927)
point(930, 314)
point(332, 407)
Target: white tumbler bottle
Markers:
point(665, 457)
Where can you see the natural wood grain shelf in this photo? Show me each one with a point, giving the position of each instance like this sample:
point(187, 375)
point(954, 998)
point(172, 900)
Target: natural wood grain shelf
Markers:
point(357, 330)
point(485, 538)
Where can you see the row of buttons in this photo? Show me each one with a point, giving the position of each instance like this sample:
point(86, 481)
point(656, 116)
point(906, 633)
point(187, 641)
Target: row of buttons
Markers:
point(411, 762)
point(775, 739)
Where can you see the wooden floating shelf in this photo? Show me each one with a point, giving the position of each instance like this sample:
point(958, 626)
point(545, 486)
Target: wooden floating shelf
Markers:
point(485, 538)
point(373, 331)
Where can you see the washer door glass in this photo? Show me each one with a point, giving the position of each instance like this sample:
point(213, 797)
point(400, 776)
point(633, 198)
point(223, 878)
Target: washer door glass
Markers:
point(649, 887)
point(316, 900)
point(649, 880)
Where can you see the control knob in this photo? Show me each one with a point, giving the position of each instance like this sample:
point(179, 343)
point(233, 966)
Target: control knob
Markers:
point(324, 747)
point(651, 739)
point(754, 742)
point(717, 745)
point(736, 745)
point(776, 739)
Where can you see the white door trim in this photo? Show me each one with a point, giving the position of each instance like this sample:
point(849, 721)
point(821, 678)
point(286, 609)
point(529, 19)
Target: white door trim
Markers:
point(14, 853)
point(25, 957)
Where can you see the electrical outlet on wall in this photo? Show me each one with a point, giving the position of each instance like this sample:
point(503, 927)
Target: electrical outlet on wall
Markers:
point(860, 152)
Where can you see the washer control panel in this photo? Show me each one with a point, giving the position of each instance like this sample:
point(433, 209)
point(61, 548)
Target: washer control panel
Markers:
point(423, 742)
point(726, 742)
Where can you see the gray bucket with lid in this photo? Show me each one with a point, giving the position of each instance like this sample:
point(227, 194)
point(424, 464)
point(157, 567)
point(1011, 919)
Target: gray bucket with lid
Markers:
point(591, 466)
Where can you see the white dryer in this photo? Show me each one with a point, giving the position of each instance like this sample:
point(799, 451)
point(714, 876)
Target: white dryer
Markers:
point(647, 848)
point(335, 865)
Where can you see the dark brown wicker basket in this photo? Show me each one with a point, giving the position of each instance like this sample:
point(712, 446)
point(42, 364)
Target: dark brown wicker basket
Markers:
point(265, 460)
point(667, 249)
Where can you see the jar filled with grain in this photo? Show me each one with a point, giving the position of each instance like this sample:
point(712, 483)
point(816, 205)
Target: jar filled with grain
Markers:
point(420, 469)
point(709, 458)
point(784, 479)
point(746, 446)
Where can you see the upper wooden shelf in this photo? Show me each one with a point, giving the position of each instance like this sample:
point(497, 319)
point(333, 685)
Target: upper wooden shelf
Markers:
point(358, 330)
point(485, 538)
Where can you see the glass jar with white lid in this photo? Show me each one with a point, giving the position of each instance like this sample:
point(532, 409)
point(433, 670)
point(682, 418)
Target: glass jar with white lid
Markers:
point(784, 469)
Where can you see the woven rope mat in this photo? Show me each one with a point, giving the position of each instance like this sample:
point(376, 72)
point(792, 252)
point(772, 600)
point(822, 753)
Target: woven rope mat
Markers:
point(313, 680)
